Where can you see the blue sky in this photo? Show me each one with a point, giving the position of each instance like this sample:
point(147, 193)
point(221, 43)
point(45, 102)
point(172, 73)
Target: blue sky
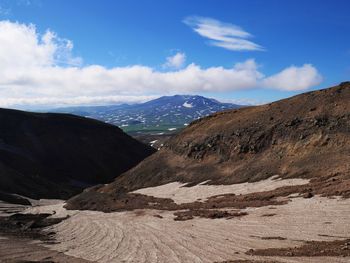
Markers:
point(304, 39)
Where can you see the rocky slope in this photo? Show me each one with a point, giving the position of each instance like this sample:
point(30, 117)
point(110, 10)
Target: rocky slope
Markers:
point(306, 136)
point(57, 155)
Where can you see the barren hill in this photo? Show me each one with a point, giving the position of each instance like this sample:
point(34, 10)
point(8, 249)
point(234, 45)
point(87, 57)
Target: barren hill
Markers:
point(304, 137)
point(57, 155)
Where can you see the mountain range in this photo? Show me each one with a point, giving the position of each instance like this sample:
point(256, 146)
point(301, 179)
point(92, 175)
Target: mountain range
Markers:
point(166, 114)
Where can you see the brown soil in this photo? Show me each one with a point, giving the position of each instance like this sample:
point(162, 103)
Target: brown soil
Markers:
point(273, 238)
point(269, 238)
point(306, 136)
point(126, 202)
point(268, 215)
point(120, 202)
point(337, 248)
point(248, 261)
point(207, 213)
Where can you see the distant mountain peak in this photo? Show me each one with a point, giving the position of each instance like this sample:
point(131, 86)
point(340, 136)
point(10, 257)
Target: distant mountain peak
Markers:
point(164, 114)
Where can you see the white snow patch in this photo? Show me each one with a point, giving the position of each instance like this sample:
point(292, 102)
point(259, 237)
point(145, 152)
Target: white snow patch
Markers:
point(180, 194)
point(187, 105)
point(111, 237)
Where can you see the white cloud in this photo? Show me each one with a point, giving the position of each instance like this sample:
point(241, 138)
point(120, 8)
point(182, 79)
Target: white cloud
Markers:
point(221, 34)
point(21, 46)
point(49, 102)
point(175, 62)
point(294, 78)
point(39, 69)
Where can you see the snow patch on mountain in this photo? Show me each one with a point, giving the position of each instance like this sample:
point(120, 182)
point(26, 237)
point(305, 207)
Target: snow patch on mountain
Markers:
point(164, 114)
point(187, 105)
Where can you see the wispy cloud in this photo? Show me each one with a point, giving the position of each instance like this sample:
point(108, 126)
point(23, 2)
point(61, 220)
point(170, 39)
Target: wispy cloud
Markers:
point(175, 62)
point(221, 34)
point(40, 69)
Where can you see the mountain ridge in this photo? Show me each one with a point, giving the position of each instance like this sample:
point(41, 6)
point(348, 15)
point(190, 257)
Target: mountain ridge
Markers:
point(305, 136)
point(162, 115)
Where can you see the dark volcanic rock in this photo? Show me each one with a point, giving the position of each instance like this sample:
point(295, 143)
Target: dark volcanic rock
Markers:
point(27, 225)
point(20, 230)
point(14, 199)
point(336, 248)
point(57, 155)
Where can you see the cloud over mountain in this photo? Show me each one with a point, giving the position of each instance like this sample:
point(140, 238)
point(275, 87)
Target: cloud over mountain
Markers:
point(41, 69)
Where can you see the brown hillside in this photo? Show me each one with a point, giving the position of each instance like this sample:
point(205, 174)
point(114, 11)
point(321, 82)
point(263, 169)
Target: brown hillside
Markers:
point(306, 136)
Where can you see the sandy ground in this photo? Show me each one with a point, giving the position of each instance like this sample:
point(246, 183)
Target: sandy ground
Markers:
point(201, 192)
point(140, 236)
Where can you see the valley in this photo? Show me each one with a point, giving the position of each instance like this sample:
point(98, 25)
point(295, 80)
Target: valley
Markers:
point(155, 131)
point(246, 185)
